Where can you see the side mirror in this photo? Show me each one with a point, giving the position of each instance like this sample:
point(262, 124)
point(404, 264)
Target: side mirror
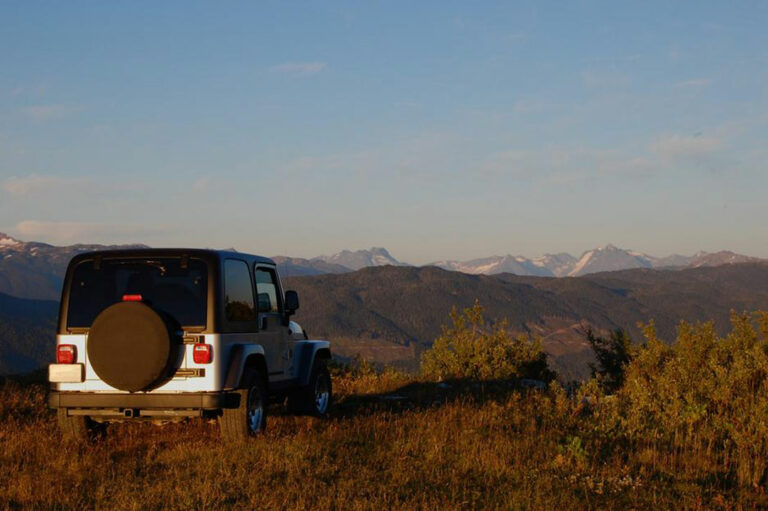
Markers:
point(291, 302)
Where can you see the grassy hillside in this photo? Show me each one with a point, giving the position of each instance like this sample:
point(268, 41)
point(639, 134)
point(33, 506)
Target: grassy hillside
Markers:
point(686, 431)
point(27, 333)
point(407, 305)
point(36, 270)
point(391, 314)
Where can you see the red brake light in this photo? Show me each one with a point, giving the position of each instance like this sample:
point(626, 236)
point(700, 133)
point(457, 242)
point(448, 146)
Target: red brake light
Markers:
point(66, 354)
point(131, 298)
point(202, 353)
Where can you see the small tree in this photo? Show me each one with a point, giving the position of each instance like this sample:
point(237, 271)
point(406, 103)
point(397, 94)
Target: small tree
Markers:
point(473, 349)
point(613, 355)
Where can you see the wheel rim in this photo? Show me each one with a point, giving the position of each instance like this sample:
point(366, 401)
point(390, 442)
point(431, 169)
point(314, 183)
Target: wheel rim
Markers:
point(322, 395)
point(255, 411)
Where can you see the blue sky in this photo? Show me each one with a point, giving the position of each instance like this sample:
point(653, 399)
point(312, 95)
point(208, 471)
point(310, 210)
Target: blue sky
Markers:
point(440, 130)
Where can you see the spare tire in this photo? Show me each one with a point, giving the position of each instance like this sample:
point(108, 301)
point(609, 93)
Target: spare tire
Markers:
point(131, 346)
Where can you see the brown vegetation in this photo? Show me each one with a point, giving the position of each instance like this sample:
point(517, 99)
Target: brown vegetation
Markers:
point(687, 430)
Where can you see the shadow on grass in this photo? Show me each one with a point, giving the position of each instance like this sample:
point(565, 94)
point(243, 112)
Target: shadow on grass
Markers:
point(413, 396)
point(417, 396)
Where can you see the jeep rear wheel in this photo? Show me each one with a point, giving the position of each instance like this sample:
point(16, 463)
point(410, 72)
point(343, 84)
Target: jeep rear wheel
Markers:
point(78, 428)
point(314, 399)
point(250, 417)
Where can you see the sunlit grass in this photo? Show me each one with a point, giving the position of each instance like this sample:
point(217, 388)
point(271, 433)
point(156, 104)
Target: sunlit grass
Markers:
point(456, 450)
point(686, 431)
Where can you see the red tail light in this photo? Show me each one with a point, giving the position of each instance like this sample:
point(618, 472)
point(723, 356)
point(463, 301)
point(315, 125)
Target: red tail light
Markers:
point(66, 354)
point(131, 298)
point(202, 353)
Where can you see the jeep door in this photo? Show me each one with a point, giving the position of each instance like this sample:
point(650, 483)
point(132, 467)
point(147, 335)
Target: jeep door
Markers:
point(273, 330)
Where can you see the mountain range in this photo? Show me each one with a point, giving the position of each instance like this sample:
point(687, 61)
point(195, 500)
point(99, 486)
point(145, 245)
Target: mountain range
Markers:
point(607, 258)
point(35, 270)
point(390, 312)
point(342, 262)
point(602, 259)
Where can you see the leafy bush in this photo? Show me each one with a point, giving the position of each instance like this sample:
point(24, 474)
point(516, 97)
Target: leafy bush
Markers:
point(704, 394)
point(474, 349)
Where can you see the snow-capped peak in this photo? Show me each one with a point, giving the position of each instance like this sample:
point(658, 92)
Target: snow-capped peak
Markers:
point(7, 241)
point(376, 256)
point(583, 262)
point(610, 258)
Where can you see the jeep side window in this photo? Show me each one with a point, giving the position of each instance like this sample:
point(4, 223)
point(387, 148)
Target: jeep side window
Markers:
point(238, 291)
point(266, 290)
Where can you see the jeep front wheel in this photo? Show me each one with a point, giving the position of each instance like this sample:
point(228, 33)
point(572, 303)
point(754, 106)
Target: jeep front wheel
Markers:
point(250, 417)
point(315, 398)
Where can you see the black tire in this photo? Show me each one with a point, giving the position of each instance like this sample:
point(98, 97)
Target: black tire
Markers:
point(79, 428)
point(249, 419)
point(315, 399)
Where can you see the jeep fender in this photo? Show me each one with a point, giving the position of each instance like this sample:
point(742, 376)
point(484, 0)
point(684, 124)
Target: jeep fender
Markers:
point(240, 355)
point(304, 355)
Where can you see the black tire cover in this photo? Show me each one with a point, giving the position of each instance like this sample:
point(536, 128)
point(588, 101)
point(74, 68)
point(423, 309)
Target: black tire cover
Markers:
point(131, 346)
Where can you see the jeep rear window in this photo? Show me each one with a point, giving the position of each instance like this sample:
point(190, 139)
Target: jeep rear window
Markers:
point(169, 284)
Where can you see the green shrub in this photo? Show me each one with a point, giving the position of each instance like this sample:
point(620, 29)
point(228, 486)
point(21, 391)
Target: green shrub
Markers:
point(471, 348)
point(704, 393)
point(613, 355)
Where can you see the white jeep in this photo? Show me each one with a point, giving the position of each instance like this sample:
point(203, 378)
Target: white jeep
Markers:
point(166, 334)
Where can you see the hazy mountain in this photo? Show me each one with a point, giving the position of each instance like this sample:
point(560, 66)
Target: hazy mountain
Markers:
point(391, 314)
point(364, 310)
point(497, 264)
point(673, 261)
point(559, 264)
point(720, 258)
point(609, 258)
point(36, 270)
point(298, 266)
point(358, 259)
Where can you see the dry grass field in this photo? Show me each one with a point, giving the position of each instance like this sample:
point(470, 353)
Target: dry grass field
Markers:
point(437, 449)
point(686, 431)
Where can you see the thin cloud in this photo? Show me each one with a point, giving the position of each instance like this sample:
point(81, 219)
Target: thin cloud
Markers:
point(44, 187)
point(525, 106)
point(630, 166)
point(514, 163)
point(35, 89)
point(563, 166)
point(50, 112)
point(515, 36)
point(299, 68)
point(676, 147)
point(695, 83)
point(592, 79)
point(567, 178)
point(26, 185)
point(81, 232)
point(201, 184)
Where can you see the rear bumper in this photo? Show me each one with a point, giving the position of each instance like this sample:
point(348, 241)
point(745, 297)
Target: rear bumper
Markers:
point(180, 401)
